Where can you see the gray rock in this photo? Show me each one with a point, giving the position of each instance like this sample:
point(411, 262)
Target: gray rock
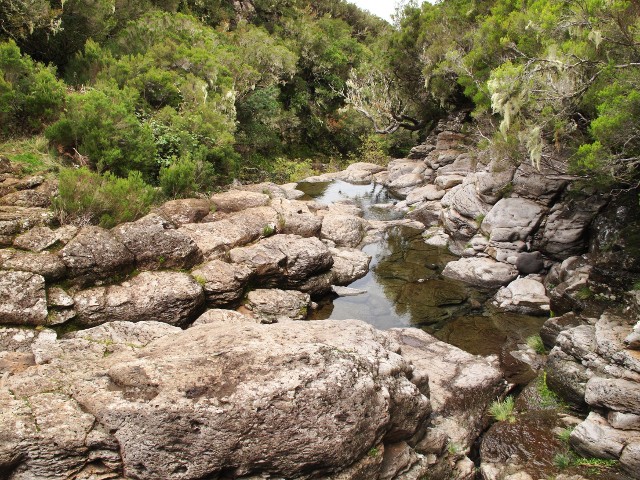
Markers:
point(349, 265)
point(426, 193)
point(57, 297)
point(344, 230)
point(285, 260)
point(237, 200)
point(224, 316)
point(445, 182)
point(169, 297)
point(496, 181)
point(529, 262)
point(427, 213)
point(183, 211)
point(630, 458)
point(512, 219)
point(465, 201)
point(525, 296)
point(420, 152)
point(294, 217)
point(27, 198)
point(360, 172)
point(223, 282)
point(269, 305)
point(15, 220)
point(482, 272)
point(39, 239)
point(17, 340)
point(596, 438)
point(624, 421)
point(579, 342)
point(543, 187)
point(567, 377)
point(633, 339)
point(458, 226)
point(23, 299)
point(46, 264)
point(95, 253)
point(614, 394)
point(156, 244)
point(347, 292)
point(552, 327)
point(404, 184)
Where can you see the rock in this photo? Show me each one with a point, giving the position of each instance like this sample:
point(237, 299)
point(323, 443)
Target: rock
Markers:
point(630, 458)
point(512, 219)
point(273, 190)
point(285, 260)
point(565, 229)
point(95, 254)
point(529, 262)
point(169, 297)
point(295, 218)
point(426, 193)
point(436, 237)
point(39, 239)
point(15, 220)
point(481, 272)
point(614, 394)
point(611, 330)
point(579, 342)
point(27, 198)
point(465, 201)
point(156, 244)
point(348, 265)
point(223, 316)
point(457, 226)
point(216, 238)
point(496, 181)
point(237, 200)
point(427, 213)
point(633, 339)
point(543, 187)
point(567, 377)
point(152, 411)
point(125, 334)
point(461, 385)
point(463, 165)
point(23, 299)
point(624, 421)
point(420, 152)
point(344, 230)
point(552, 327)
point(360, 172)
point(404, 184)
point(18, 340)
point(45, 264)
point(346, 291)
point(187, 210)
point(270, 305)
point(223, 282)
point(596, 438)
point(524, 296)
point(446, 182)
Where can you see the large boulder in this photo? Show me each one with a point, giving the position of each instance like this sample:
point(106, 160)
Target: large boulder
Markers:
point(187, 210)
point(170, 297)
point(596, 438)
point(269, 305)
point(543, 187)
point(237, 200)
point(294, 217)
point(481, 272)
point(218, 399)
point(23, 299)
point(286, 260)
point(613, 394)
point(343, 230)
point(525, 296)
point(223, 282)
point(512, 219)
point(157, 244)
point(46, 264)
point(95, 253)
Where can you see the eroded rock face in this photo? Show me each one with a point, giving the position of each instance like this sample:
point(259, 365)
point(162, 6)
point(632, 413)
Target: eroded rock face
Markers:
point(223, 282)
point(180, 404)
point(285, 259)
point(39, 239)
point(95, 253)
point(45, 264)
point(157, 244)
point(482, 272)
point(23, 299)
point(268, 305)
point(170, 297)
point(512, 219)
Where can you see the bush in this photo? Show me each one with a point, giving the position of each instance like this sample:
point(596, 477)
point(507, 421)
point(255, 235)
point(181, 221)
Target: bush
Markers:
point(89, 197)
point(101, 125)
point(179, 179)
point(30, 94)
point(502, 410)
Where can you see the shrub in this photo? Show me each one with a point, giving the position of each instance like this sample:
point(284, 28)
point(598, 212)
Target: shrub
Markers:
point(30, 94)
point(101, 124)
point(89, 197)
point(179, 178)
point(562, 460)
point(502, 410)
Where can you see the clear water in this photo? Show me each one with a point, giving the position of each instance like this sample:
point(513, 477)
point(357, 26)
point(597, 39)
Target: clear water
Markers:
point(405, 288)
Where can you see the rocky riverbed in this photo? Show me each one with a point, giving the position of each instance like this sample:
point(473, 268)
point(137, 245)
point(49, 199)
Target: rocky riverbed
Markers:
point(174, 346)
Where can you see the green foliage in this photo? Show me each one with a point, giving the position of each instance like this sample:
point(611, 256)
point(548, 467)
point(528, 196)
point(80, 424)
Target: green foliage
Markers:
point(596, 462)
point(30, 94)
point(562, 460)
point(535, 342)
point(565, 435)
point(548, 396)
point(179, 179)
point(102, 126)
point(89, 197)
point(268, 230)
point(502, 410)
point(31, 153)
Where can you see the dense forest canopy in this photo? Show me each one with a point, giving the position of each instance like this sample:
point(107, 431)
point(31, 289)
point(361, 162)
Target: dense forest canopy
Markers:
point(223, 89)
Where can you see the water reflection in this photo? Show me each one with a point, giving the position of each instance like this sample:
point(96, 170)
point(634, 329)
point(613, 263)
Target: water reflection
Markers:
point(405, 288)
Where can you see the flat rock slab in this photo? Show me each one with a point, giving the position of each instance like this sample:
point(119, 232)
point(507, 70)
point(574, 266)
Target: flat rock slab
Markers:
point(237, 200)
point(269, 305)
point(170, 297)
point(15, 220)
point(46, 264)
point(217, 315)
point(481, 272)
point(157, 244)
point(183, 211)
point(614, 394)
point(39, 239)
point(343, 230)
point(276, 399)
point(23, 298)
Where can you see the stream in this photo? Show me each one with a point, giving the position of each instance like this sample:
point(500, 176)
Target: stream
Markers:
point(404, 287)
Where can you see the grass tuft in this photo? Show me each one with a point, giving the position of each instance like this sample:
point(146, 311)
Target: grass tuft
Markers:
point(502, 410)
point(535, 342)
